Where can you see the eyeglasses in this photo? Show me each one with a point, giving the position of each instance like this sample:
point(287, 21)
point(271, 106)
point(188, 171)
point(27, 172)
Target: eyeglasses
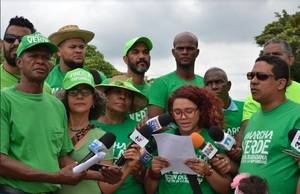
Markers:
point(83, 92)
point(259, 75)
point(187, 112)
point(10, 38)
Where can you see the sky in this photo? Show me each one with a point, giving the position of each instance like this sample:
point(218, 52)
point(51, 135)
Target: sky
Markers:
point(225, 29)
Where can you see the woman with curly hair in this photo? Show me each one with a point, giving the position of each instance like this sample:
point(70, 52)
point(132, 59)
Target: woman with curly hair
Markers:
point(83, 103)
point(194, 109)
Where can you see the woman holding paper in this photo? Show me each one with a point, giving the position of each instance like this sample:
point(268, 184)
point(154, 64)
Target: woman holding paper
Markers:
point(194, 109)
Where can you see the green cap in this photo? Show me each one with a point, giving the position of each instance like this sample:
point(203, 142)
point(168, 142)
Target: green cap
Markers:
point(140, 101)
point(32, 40)
point(76, 77)
point(131, 42)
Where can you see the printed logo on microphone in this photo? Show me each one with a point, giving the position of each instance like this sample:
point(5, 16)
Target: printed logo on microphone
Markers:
point(154, 124)
point(296, 142)
point(145, 157)
point(138, 138)
point(95, 146)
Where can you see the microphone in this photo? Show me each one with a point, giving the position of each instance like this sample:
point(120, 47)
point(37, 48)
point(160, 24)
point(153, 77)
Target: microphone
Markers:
point(294, 137)
point(224, 140)
point(158, 122)
point(138, 137)
point(206, 149)
point(98, 151)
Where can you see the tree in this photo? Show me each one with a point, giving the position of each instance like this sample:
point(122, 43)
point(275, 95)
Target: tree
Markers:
point(287, 27)
point(95, 60)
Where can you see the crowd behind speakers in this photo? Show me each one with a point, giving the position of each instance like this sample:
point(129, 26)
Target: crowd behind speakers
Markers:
point(51, 114)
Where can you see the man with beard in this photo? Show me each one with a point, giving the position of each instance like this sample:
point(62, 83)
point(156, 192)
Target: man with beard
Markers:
point(185, 52)
point(16, 29)
point(71, 42)
point(136, 55)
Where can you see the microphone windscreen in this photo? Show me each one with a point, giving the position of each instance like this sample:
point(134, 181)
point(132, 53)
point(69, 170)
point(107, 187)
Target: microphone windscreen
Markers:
point(165, 119)
point(146, 131)
point(197, 140)
point(108, 139)
point(292, 134)
point(216, 133)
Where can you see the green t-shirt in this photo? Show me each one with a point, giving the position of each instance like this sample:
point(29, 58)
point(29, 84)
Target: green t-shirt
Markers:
point(266, 135)
point(86, 186)
point(251, 106)
point(138, 116)
point(121, 130)
point(233, 117)
point(7, 80)
point(174, 182)
point(56, 77)
point(162, 88)
point(33, 131)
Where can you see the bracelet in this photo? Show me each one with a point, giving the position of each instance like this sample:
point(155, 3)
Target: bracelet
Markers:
point(152, 175)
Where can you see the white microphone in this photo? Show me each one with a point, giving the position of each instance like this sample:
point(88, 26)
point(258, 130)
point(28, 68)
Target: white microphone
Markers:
point(222, 139)
point(90, 162)
point(294, 137)
point(206, 148)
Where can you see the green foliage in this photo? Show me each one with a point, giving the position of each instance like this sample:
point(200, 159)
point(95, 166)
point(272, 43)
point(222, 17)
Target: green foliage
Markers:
point(95, 60)
point(286, 27)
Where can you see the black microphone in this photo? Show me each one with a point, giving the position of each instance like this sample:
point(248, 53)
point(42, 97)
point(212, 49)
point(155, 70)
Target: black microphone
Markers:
point(139, 137)
point(103, 144)
point(224, 140)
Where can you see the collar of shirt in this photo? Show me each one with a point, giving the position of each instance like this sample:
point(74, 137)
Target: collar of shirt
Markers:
point(232, 106)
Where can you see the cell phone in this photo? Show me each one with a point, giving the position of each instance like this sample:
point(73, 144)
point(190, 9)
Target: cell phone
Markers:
point(98, 167)
point(292, 153)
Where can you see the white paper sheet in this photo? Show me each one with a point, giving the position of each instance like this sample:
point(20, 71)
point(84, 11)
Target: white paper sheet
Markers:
point(176, 149)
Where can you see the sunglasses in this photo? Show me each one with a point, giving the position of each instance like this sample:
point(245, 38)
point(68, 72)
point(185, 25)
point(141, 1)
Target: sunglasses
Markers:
point(10, 38)
point(259, 75)
point(83, 92)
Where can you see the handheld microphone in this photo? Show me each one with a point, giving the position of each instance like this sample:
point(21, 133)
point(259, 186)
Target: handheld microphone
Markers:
point(97, 153)
point(224, 140)
point(206, 149)
point(139, 137)
point(294, 137)
point(158, 122)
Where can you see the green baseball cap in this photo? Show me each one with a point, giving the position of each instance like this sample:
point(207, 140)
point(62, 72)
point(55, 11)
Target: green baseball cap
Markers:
point(76, 77)
point(139, 102)
point(131, 42)
point(32, 40)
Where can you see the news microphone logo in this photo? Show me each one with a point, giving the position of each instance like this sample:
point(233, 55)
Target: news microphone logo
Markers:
point(138, 138)
point(209, 151)
point(145, 157)
point(96, 146)
point(296, 141)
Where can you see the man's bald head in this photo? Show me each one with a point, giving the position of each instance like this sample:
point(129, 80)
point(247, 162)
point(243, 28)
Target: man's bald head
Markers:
point(186, 35)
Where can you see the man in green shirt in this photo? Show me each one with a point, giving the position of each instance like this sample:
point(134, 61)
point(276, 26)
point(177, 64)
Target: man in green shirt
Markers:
point(136, 55)
point(16, 29)
point(282, 49)
point(266, 134)
point(71, 42)
point(185, 52)
point(216, 80)
point(34, 142)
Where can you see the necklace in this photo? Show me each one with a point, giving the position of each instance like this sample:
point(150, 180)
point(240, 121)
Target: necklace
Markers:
point(76, 130)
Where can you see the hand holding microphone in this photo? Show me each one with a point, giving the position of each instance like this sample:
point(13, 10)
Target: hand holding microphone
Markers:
point(98, 151)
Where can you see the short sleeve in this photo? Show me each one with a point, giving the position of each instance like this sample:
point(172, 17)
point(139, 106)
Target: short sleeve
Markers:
point(158, 93)
point(250, 107)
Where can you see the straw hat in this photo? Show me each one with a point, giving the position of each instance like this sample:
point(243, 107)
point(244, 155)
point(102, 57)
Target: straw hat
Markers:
point(71, 31)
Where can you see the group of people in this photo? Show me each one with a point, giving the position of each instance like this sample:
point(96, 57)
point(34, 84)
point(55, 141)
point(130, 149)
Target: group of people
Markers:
point(50, 113)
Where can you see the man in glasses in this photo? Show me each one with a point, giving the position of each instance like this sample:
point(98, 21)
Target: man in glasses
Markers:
point(16, 29)
point(282, 49)
point(266, 134)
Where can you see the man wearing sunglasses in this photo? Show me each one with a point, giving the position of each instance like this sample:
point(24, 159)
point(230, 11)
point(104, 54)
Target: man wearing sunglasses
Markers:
point(16, 29)
point(266, 134)
point(282, 49)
